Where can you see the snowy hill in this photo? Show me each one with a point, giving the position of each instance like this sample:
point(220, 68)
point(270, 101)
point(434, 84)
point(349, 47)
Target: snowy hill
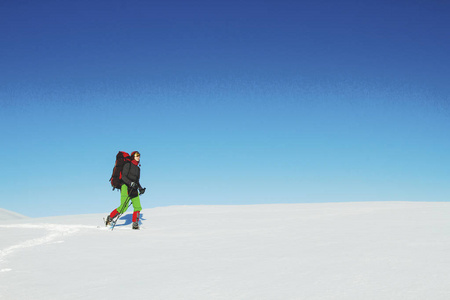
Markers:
point(6, 215)
point(382, 250)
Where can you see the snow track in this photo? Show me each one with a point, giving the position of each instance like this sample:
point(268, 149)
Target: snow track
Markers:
point(53, 234)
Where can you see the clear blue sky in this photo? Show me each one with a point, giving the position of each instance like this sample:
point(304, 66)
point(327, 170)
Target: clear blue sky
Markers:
point(229, 102)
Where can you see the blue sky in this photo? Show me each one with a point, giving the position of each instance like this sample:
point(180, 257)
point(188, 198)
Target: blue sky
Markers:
point(229, 102)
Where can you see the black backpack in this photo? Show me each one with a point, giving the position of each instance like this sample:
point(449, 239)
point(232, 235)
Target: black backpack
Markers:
point(116, 178)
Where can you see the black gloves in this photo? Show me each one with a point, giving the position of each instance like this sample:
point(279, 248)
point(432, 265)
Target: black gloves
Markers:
point(135, 186)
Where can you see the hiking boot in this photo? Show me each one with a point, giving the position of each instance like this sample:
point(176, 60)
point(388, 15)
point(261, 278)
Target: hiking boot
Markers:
point(135, 225)
point(108, 221)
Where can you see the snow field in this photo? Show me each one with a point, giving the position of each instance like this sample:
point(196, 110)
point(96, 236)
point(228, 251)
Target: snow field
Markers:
point(373, 250)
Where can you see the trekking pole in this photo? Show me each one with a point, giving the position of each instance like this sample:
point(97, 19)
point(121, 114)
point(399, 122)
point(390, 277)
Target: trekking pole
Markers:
point(120, 215)
point(123, 206)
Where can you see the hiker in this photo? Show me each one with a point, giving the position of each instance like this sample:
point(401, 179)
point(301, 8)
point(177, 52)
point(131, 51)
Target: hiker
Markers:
point(129, 190)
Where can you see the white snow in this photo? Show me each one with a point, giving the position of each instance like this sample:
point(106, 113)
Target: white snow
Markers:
point(371, 250)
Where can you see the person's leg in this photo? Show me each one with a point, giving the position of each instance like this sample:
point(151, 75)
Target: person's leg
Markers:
point(136, 215)
point(137, 211)
point(123, 199)
point(123, 205)
point(136, 203)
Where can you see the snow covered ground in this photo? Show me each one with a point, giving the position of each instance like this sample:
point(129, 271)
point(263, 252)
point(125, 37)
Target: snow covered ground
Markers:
point(372, 250)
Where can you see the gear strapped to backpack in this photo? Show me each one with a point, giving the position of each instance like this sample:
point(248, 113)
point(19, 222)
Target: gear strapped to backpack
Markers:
point(121, 159)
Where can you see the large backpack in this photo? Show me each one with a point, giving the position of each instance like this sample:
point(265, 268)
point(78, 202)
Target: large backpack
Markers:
point(121, 159)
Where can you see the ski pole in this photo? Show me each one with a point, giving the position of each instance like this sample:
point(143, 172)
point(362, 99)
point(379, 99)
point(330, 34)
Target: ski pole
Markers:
point(120, 215)
point(123, 206)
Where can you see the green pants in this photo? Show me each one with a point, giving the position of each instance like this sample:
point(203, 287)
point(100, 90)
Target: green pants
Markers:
point(124, 203)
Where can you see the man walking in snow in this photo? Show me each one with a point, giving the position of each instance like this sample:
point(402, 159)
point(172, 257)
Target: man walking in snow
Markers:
point(131, 174)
